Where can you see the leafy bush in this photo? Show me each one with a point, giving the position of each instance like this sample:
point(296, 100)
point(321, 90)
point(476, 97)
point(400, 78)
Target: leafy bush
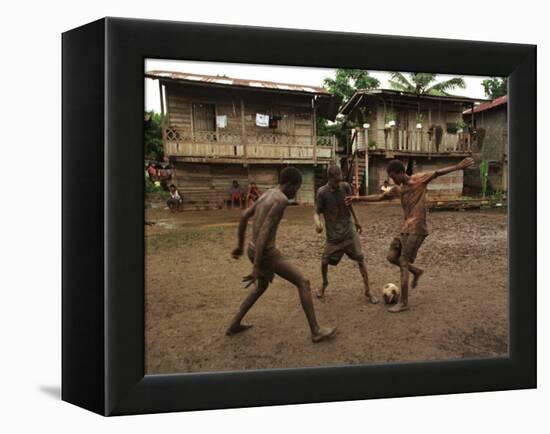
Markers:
point(152, 187)
point(152, 136)
point(484, 174)
point(498, 196)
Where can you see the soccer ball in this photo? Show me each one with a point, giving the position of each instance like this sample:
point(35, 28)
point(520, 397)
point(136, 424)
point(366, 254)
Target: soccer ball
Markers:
point(390, 292)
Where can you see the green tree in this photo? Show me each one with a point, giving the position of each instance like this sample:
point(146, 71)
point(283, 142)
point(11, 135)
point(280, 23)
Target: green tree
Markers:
point(332, 129)
point(423, 84)
point(347, 81)
point(495, 87)
point(344, 84)
point(153, 136)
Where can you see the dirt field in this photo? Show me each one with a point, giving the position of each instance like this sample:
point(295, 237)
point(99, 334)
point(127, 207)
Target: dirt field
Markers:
point(193, 289)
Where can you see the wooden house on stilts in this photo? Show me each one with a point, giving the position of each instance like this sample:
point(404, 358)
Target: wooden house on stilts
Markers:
point(218, 129)
point(425, 131)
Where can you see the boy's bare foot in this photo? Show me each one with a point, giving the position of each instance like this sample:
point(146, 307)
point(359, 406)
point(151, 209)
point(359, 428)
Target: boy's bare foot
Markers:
point(324, 333)
point(371, 298)
point(416, 278)
point(234, 329)
point(321, 291)
point(399, 307)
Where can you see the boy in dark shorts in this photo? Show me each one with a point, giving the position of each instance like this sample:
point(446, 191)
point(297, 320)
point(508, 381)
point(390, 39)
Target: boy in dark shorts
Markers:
point(342, 236)
point(267, 260)
point(412, 192)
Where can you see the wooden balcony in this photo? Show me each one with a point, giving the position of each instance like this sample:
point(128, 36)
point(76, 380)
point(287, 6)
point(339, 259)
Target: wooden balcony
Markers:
point(250, 148)
point(415, 142)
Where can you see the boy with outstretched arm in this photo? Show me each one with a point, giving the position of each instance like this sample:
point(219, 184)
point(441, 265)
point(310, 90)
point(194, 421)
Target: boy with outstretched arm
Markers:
point(412, 192)
point(267, 260)
point(341, 234)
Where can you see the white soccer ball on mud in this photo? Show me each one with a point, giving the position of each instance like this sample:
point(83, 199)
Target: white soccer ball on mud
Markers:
point(390, 292)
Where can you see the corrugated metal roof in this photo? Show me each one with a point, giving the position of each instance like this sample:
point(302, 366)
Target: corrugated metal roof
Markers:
point(350, 105)
point(240, 82)
point(488, 105)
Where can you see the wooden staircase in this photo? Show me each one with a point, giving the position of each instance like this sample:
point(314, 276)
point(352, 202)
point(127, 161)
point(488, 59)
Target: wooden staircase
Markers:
point(356, 173)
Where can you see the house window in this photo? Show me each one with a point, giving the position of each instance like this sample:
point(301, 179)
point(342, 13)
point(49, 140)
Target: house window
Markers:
point(204, 117)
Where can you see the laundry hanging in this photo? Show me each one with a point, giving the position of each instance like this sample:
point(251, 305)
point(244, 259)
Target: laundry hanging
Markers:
point(221, 121)
point(262, 120)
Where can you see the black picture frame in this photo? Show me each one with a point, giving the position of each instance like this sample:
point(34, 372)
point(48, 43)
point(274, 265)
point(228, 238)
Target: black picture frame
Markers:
point(103, 200)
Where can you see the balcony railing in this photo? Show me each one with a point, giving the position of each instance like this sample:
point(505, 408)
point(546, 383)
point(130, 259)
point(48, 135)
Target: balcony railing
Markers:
point(420, 141)
point(222, 145)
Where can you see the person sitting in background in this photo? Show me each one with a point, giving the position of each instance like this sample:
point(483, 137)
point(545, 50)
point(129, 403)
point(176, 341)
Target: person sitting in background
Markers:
point(175, 200)
point(253, 194)
point(236, 194)
point(152, 172)
point(385, 187)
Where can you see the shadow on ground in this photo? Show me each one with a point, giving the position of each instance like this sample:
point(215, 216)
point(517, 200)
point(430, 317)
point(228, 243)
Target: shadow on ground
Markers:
point(51, 391)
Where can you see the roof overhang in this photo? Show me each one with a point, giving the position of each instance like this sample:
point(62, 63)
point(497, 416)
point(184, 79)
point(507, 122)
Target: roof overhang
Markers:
point(326, 104)
point(360, 95)
point(497, 102)
point(229, 82)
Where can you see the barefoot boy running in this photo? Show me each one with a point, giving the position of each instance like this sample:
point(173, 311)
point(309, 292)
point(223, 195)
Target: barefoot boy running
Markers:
point(412, 192)
point(267, 261)
point(342, 237)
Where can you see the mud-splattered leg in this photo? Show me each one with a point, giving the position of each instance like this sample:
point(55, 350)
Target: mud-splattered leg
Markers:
point(393, 258)
point(251, 298)
point(291, 273)
point(403, 303)
point(324, 274)
point(364, 274)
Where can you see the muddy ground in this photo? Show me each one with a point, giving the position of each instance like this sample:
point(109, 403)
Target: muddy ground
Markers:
point(193, 288)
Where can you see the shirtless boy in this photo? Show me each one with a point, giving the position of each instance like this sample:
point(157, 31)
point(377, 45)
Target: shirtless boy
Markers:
point(267, 260)
point(404, 247)
point(342, 236)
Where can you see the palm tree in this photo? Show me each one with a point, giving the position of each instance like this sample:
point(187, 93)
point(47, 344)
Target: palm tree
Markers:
point(419, 83)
